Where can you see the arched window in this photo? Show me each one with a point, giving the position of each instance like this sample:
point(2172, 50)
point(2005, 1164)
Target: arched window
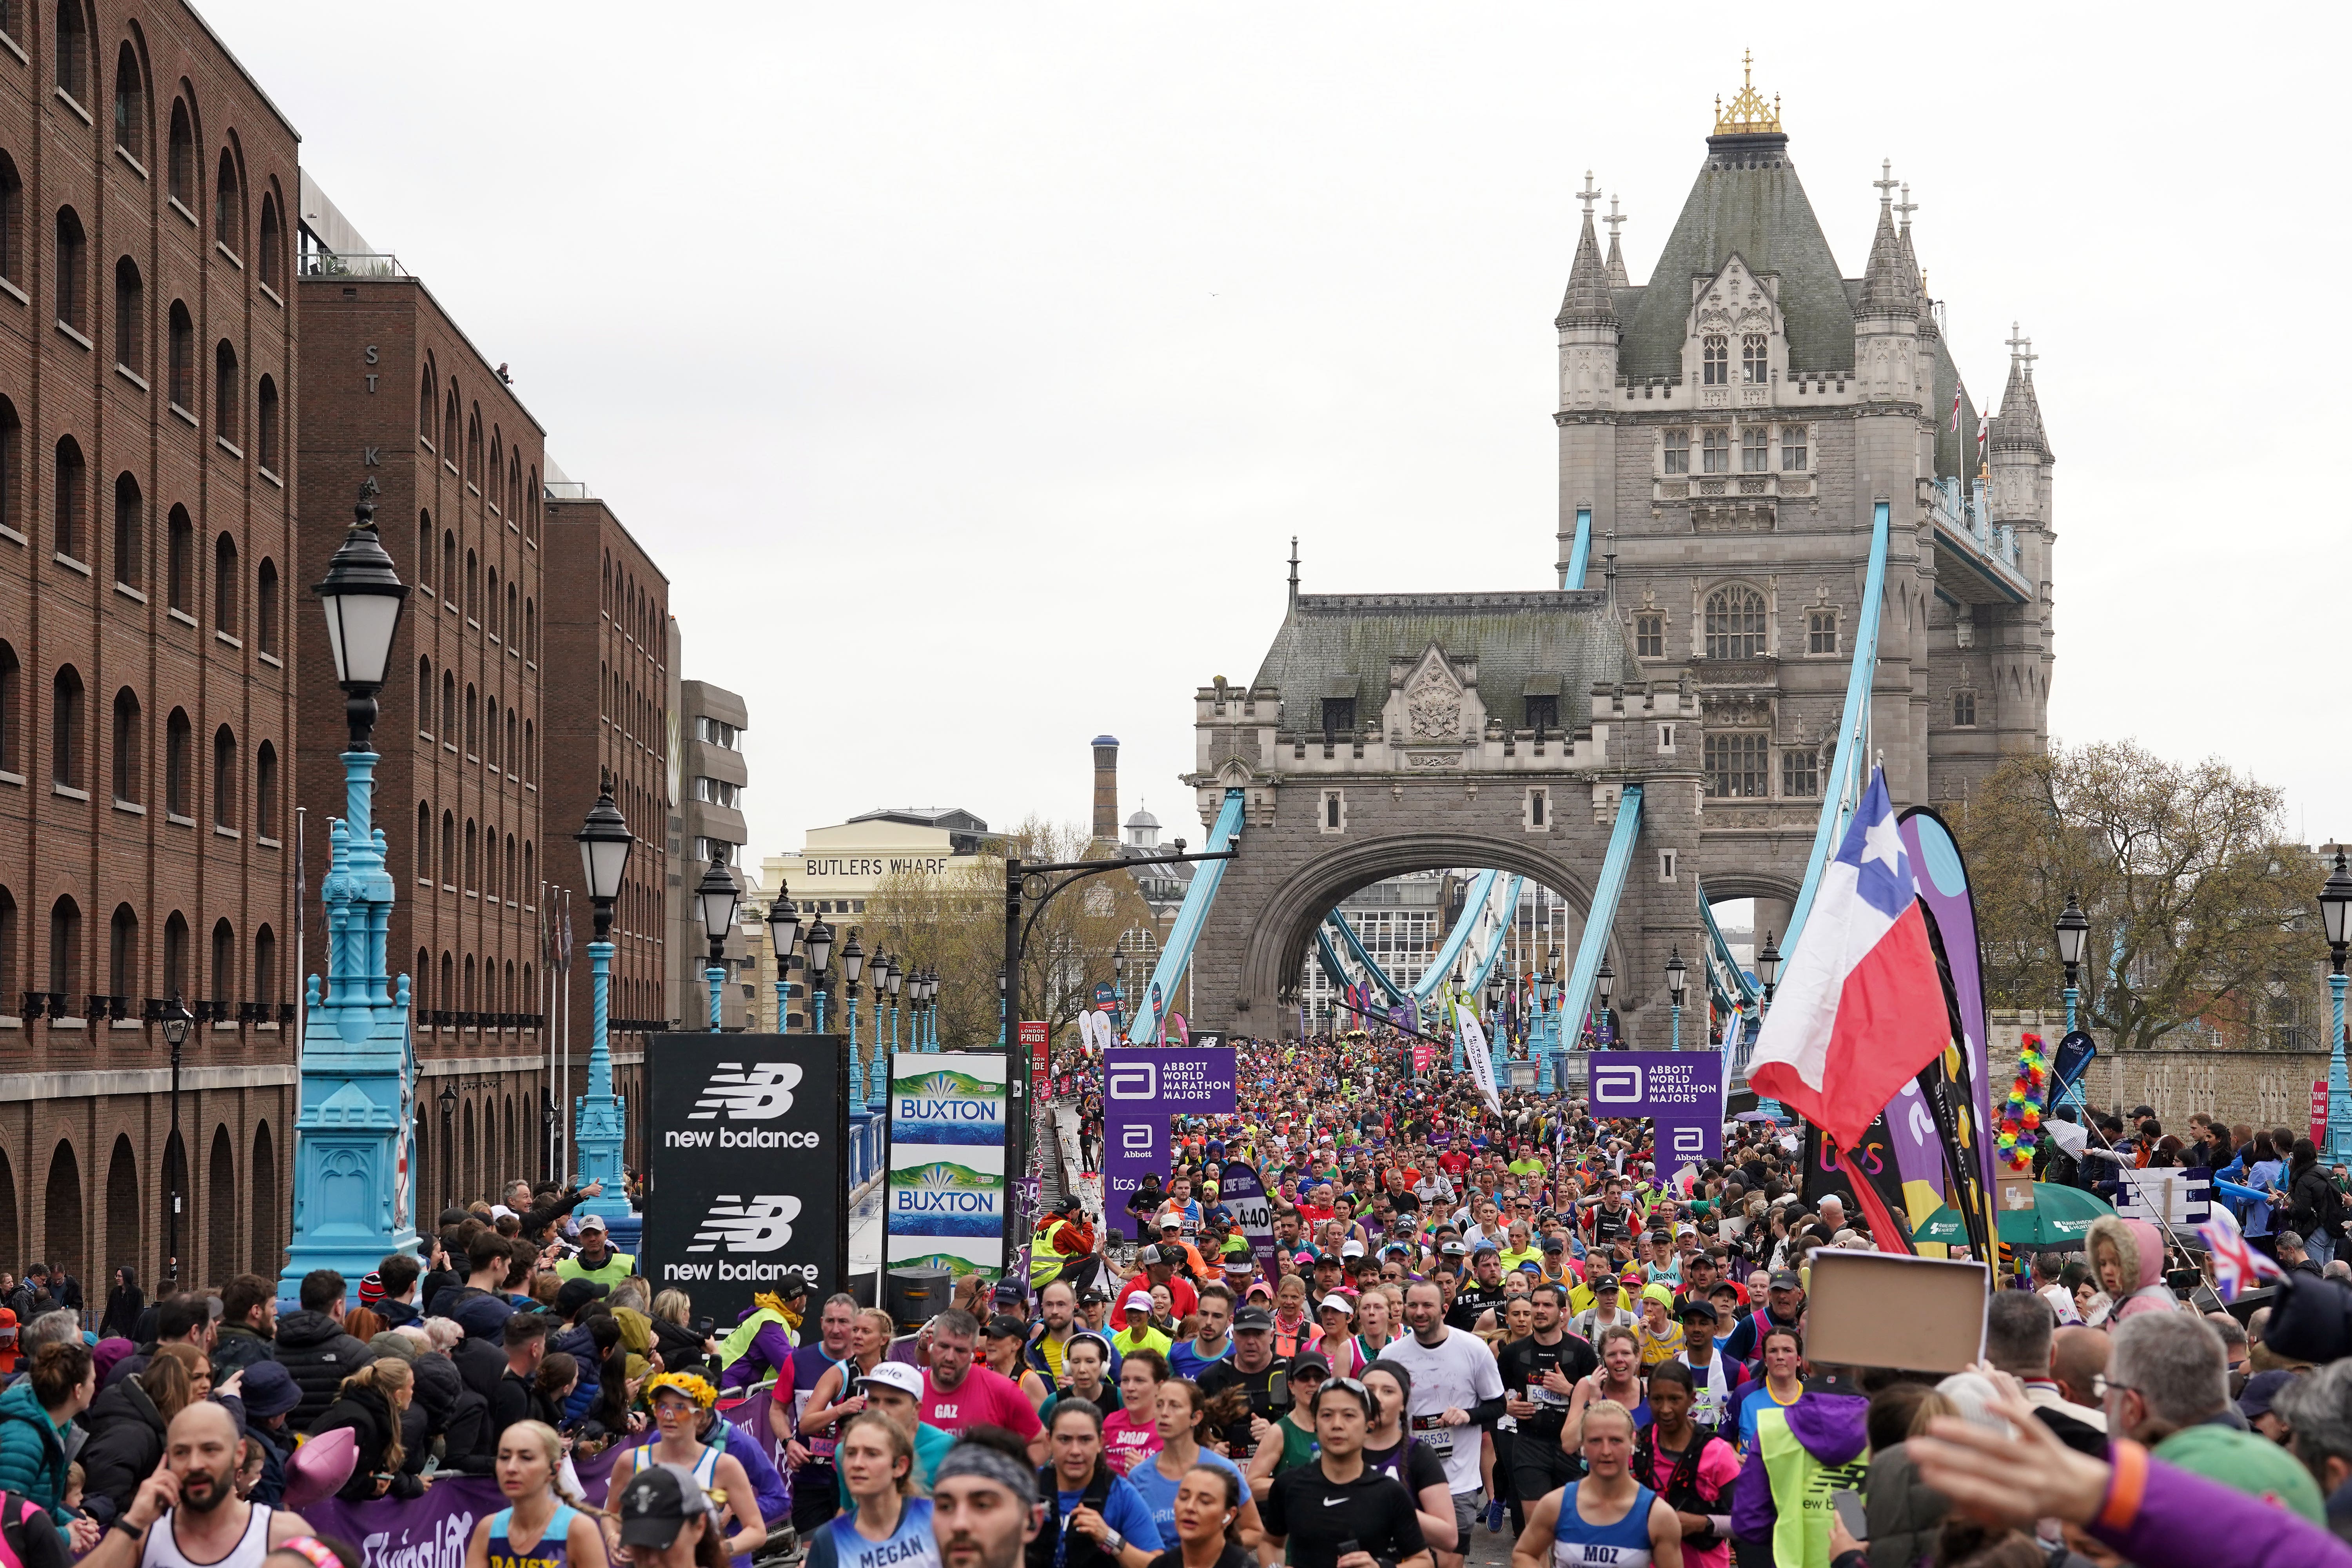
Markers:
point(130, 533)
point(123, 954)
point(448, 849)
point(228, 393)
point(264, 969)
point(264, 425)
point(448, 709)
point(473, 588)
point(179, 765)
point(530, 511)
point(507, 625)
point(423, 852)
point(1715, 360)
point(129, 104)
point(423, 548)
point(449, 425)
point(68, 735)
point(181, 373)
point(474, 448)
point(71, 515)
point(175, 955)
point(514, 888)
point(529, 753)
point(447, 992)
point(530, 872)
point(228, 614)
point(130, 317)
point(514, 762)
point(490, 862)
point(424, 697)
point(497, 459)
point(265, 606)
point(65, 955)
point(180, 175)
point(1755, 359)
point(228, 204)
point(264, 791)
point(273, 243)
point(224, 777)
point(425, 425)
point(490, 731)
point(223, 975)
point(448, 578)
point(12, 222)
point(473, 724)
point(491, 604)
point(1964, 709)
point(180, 562)
point(473, 856)
point(8, 948)
point(12, 724)
point(470, 997)
point(514, 484)
point(73, 50)
point(130, 748)
point(530, 629)
point(1735, 623)
point(73, 272)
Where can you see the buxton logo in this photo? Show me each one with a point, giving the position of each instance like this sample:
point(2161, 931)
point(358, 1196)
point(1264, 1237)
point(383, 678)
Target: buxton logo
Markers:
point(762, 1222)
point(760, 1092)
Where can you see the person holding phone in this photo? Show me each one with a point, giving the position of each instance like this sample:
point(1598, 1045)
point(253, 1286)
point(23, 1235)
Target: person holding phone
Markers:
point(1337, 1511)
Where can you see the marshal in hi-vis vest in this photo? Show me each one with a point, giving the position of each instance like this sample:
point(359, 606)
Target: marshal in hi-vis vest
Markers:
point(1800, 1492)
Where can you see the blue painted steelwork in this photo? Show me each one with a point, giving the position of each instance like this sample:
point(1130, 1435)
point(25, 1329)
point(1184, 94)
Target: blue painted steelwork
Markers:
point(1581, 552)
point(1509, 904)
point(1373, 971)
point(1190, 916)
point(1474, 906)
point(1578, 994)
point(1849, 770)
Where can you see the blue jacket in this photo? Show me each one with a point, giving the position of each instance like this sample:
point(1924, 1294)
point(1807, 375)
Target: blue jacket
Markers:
point(31, 1451)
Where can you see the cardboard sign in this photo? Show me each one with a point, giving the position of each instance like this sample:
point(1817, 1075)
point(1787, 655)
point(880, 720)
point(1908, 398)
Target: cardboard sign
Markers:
point(2015, 1195)
point(1877, 1309)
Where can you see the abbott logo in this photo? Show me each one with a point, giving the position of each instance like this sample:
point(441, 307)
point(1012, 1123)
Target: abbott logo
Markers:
point(1135, 1139)
point(759, 1224)
point(1617, 1083)
point(1134, 1080)
point(758, 1093)
point(1691, 1143)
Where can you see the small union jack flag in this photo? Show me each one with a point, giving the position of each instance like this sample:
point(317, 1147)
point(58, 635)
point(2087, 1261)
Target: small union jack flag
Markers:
point(2236, 1266)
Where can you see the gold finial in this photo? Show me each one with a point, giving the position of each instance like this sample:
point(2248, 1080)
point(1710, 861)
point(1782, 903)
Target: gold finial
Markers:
point(1748, 113)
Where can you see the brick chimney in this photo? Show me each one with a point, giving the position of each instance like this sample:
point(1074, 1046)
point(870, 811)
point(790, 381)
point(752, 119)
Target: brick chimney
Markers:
point(1106, 789)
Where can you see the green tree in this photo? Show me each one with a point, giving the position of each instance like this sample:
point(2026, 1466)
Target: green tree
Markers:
point(954, 921)
point(2201, 909)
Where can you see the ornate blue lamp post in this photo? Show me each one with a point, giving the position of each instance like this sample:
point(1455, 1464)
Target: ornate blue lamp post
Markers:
point(1549, 1076)
point(1677, 982)
point(930, 1009)
point(2336, 914)
point(896, 980)
point(717, 895)
point(783, 936)
point(817, 967)
point(600, 1117)
point(353, 1190)
point(2074, 932)
point(853, 964)
point(1768, 970)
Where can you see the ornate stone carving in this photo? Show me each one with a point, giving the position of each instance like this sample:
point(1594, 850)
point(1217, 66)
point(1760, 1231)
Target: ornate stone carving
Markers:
point(1434, 710)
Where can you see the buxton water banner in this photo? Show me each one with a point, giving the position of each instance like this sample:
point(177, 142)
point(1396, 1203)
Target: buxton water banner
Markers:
point(749, 1166)
point(946, 1193)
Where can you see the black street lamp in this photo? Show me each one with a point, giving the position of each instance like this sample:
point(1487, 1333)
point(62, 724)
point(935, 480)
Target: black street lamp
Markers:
point(2073, 933)
point(716, 895)
point(362, 595)
point(1767, 968)
point(175, 1034)
point(820, 963)
point(447, 1101)
point(1677, 982)
point(604, 842)
point(1605, 982)
point(783, 936)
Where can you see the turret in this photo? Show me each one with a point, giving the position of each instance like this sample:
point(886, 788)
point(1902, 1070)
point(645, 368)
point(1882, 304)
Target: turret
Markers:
point(1886, 323)
point(1588, 321)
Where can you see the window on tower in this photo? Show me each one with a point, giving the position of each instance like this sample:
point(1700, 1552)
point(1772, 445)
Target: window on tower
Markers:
point(1715, 355)
point(1792, 450)
point(1339, 715)
point(1735, 623)
point(1715, 451)
point(1755, 449)
point(1543, 713)
point(1735, 767)
point(1650, 635)
point(1964, 710)
point(1755, 359)
point(1677, 451)
point(1801, 773)
point(1820, 631)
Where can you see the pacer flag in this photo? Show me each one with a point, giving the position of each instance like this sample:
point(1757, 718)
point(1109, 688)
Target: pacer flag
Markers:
point(1861, 1010)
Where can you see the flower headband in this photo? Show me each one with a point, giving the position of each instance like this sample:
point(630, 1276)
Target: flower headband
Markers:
point(686, 1383)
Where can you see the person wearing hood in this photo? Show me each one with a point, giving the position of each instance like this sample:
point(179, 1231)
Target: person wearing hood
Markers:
point(371, 1402)
point(312, 1345)
point(762, 1341)
point(2127, 1255)
point(248, 1324)
point(124, 1303)
point(270, 1393)
point(1803, 1451)
point(127, 1423)
point(39, 1437)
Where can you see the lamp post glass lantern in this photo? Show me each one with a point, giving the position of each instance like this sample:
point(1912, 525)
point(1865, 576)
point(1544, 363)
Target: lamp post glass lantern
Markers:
point(2335, 917)
point(819, 959)
point(715, 896)
point(1677, 982)
point(1768, 967)
point(2074, 932)
point(783, 936)
point(606, 843)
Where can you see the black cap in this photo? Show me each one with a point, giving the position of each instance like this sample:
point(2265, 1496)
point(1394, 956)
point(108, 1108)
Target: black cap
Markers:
point(656, 1505)
point(1605, 1282)
point(1092, 1294)
point(1697, 1307)
point(575, 1294)
point(1256, 1318)
point(1786, 1279)
point(1005, 1326)
point(1555, 1244)
point(1310, 1360)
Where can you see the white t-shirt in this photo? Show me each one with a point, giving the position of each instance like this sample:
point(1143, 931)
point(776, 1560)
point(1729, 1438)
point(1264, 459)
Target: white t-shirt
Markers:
point(1456, 1373)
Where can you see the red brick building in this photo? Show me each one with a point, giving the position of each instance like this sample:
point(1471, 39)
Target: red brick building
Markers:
point(393, 391)
point(608, 611)
point(147, 368)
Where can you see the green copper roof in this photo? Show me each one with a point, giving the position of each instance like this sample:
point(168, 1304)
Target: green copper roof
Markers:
point(1747, 199)
point(1338, 644)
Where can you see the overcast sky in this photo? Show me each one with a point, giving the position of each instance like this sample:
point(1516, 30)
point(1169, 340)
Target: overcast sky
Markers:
point(968, 367)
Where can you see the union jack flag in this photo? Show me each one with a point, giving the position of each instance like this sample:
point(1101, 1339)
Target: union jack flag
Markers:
point(2236, 1266)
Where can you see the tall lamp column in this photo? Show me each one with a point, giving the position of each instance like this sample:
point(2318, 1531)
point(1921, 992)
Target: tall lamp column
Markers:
point(853, 964)
point(717, 895)
point(2073, 935)
point(896, 980)
point(1605, 984)
point(175, 1034)
point(818, 968)
point(353, 1195)
point(1677, 982)
point(600, 1117)
point(2336, 915)
point(1768, 970)
point(783, 936)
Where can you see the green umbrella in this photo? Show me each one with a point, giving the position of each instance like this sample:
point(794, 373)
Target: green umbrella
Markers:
point(1945, 1226)
point(2059, 1220)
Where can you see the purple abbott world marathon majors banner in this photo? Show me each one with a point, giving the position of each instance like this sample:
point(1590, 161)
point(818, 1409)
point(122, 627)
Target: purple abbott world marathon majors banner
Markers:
point(1141, 1089)
point(1680, 1091)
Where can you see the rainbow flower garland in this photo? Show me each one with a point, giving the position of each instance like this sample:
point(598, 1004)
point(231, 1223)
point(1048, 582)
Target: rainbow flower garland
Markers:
point(2020, 1114)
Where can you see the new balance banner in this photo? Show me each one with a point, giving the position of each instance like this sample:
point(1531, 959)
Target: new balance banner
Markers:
point(749, 1166)
point(1141, 1089)
point(946, 1193)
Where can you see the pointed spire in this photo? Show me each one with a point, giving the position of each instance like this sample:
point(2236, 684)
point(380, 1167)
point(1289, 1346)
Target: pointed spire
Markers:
point(1617, 275)
point(1890, 286)
point(1588, 303)
point(1294, 571)
point(2018, 426)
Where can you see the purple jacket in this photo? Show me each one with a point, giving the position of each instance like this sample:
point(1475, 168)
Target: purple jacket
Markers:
point(2163, 1517)
point(770, 1351)
point(1833, 1429)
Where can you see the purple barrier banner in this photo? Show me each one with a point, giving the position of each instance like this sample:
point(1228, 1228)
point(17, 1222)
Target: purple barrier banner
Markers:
point(1244, 1192)
point(1943, 892)
point(1141, 1089)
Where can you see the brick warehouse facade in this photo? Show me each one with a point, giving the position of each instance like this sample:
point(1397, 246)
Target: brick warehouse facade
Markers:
point(608, 610)
point(395, 392)
point(147, 371)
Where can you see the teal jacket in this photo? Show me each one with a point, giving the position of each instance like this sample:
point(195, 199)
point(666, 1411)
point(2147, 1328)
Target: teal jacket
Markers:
point(31, 1451)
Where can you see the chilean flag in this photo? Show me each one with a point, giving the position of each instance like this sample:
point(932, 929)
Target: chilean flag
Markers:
point(1861, 1010)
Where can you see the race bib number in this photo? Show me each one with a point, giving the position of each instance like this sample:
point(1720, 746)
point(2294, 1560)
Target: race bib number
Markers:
point(1434, 1435)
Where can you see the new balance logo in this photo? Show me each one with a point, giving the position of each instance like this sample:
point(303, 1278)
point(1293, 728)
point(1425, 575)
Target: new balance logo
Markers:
point(760, 1092)
point(759, 1224)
